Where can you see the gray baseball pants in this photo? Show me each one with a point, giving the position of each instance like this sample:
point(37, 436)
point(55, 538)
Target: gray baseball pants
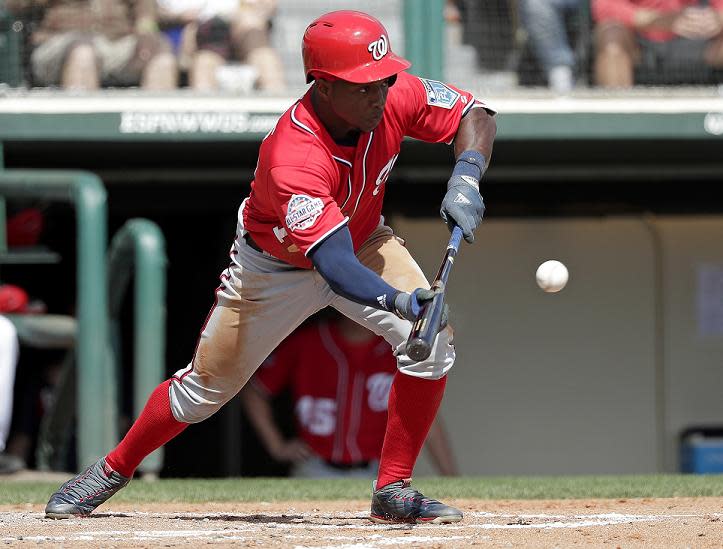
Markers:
point(262, 300)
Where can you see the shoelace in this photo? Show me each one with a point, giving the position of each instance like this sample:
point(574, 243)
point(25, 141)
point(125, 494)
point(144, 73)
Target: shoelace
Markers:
point(87, 486)
point(407, 493)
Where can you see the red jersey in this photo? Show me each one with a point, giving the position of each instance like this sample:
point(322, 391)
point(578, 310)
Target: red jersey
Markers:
point(306, 185)
point(340, 390)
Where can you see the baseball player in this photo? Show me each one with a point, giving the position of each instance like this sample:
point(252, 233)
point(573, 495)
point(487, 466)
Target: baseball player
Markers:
point(311, 235)
point(339, 375)
point(8, 362)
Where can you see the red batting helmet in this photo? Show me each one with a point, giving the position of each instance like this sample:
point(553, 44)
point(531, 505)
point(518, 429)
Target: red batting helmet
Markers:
point(13, 299)
point(350, 45)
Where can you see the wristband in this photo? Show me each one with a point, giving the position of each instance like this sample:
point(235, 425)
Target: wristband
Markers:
point(470, 164)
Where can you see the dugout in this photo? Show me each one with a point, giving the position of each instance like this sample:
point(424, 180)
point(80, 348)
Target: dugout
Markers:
point(628, 196)
point(624, 188)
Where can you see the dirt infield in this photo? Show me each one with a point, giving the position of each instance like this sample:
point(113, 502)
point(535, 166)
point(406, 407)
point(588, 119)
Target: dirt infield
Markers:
point(625, 523)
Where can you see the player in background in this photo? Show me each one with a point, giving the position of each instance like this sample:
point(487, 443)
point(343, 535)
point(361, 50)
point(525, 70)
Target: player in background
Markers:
point(9, 463)
point(311, 235)
point(339, 375)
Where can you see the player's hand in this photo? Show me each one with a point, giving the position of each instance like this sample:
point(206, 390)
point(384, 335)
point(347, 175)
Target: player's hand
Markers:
point(410, 306)
point(293, 451)
point(697, 23)
point(463, 206)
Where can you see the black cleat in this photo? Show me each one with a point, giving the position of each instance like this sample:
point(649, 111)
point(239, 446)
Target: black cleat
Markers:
point(399, 502)
point(83, 493)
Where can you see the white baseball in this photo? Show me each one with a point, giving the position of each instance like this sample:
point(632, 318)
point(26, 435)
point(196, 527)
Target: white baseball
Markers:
point(551, 276)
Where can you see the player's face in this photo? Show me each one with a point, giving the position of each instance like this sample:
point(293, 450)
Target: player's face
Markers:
point(359, 105)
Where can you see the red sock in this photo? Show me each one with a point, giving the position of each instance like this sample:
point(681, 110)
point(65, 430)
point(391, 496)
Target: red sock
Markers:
point(413, 404)
point(153, 428)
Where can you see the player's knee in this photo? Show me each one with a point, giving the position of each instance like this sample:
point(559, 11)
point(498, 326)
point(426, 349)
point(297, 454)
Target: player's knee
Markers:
point(192, 403)
point(82, 56)
point(440, 360)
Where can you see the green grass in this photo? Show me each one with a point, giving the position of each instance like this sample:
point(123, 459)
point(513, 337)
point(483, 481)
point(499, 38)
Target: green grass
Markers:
point(267, 489)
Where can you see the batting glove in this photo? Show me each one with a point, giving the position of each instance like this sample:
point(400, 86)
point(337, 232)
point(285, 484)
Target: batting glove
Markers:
point(463, 206)
point(409, 306)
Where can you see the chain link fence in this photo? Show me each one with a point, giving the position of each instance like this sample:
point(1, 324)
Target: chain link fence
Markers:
point(490, 46)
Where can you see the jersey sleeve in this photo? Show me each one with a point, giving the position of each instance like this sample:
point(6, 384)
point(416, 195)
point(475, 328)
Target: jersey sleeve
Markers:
point(432, 110)
point(302, 199)
point(274, 374)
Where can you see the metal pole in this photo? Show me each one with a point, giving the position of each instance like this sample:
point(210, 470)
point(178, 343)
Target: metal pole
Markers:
point(424, 37)
point(139, 246)
point(95, 382)
point(150, 321)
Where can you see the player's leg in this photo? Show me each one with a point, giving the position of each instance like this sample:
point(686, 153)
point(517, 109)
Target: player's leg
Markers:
point(8, 363)
point(416, 391)
point(616, 54)
point(385, 254)
point(68, 60)
point(250, 36)
point(687, 62)
point(132, 60)
point(212, 50)
point(256, 307)
point(714, 52)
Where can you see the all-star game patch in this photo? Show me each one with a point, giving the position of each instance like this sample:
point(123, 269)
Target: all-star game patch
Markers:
point(439, 94)
point(302, 211)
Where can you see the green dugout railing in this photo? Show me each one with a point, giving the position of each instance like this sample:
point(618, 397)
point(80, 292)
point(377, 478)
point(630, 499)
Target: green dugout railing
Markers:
point(139, 248)
point(95, 380)
point(11, 45)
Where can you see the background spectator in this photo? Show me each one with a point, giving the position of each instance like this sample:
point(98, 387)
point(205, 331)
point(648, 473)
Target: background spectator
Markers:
point(666, 41)
point(9, 463)
point(86, 44)
point(545, 24)
point(209, 33)
point(23, 229)
point(30, 361)
point(339, 375)
point(18, 417)
point(488, 26)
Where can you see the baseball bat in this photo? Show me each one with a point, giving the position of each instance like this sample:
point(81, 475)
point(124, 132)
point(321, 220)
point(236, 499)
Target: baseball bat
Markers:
point(424, 330)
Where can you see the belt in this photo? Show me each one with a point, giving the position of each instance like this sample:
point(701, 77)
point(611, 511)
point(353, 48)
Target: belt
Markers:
point(251, 243)
point(348, 466)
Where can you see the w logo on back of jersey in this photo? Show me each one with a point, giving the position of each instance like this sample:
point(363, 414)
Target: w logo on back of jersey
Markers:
point(379, 48)
point(378, 386)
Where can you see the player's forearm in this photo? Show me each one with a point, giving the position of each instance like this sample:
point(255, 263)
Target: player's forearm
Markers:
point(335, 260)
point(462, 205)
point(258, 410)
point(476, 132)
point(440, 451)
point(646, 19)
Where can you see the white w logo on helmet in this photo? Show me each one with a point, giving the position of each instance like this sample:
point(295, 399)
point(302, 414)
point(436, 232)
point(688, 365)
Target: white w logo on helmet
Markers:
point(379, 48)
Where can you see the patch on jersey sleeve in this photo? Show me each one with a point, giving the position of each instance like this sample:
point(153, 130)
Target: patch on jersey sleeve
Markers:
point(439, 94)
point(303, 211)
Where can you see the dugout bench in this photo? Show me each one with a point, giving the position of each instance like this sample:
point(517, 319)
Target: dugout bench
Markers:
point(89, 375)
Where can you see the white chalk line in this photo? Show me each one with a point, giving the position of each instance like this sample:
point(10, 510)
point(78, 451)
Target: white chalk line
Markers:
point(299, 521)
